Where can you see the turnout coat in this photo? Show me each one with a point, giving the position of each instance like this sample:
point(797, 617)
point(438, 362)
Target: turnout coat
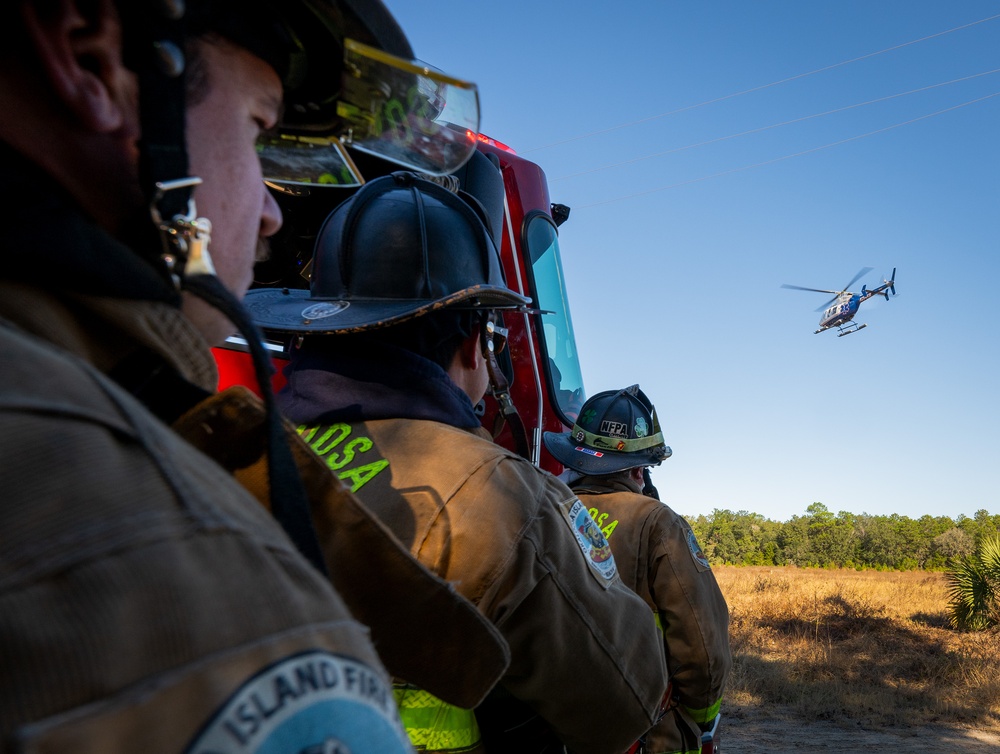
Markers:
point(149, 602)
point(585, 653)
point(659, 558)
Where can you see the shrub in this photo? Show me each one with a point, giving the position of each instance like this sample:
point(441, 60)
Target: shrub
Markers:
point(974, 588)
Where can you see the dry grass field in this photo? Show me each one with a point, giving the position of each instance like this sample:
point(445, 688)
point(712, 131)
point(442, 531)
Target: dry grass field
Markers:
point(869, 652)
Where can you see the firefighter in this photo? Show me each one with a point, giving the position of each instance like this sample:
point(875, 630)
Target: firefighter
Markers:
point(149, 602)
point(615, 440)
point(396, 338)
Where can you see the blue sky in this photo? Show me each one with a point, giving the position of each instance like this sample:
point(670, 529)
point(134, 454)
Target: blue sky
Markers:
point(711, 151)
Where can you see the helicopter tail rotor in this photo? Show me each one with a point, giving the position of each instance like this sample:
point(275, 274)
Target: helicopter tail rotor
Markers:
point(889, 285)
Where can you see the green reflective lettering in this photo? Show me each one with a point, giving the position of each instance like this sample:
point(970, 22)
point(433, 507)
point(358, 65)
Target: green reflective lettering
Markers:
point(363, 474)
point(335, 435)
point(335, 461)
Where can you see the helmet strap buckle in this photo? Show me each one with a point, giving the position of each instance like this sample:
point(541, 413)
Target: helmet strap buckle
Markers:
point(185, 238)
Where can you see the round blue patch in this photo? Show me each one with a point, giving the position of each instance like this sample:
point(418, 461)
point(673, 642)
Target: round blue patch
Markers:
point(311, 703)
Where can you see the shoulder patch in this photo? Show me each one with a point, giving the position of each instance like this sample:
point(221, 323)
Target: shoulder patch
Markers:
point(696, 551)
point(310, 702)
point(590, 538)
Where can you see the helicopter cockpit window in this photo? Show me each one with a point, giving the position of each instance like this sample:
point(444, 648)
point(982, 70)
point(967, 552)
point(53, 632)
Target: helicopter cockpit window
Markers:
point(563, 367)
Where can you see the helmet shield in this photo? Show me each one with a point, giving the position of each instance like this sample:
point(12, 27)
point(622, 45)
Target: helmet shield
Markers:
point(288, 160)
point(394, 109)
point(616, 430)
point(349, 79)
point(405, 112)
point(398, 248)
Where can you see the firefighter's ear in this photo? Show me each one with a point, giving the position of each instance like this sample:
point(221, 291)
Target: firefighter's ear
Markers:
point(470, 353)
point(78, 44)
point(468, 368)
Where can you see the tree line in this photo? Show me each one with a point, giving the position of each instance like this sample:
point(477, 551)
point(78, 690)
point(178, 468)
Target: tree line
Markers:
point(823, 539)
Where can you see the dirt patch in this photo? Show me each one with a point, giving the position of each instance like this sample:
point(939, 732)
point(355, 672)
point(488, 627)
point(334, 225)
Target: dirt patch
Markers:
point(765, 736)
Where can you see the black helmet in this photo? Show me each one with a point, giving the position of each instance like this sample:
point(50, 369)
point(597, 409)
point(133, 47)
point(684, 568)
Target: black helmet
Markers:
point(616, 430)
point(400, 247)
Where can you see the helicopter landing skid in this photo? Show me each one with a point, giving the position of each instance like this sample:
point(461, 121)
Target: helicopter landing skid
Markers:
point(849, 328)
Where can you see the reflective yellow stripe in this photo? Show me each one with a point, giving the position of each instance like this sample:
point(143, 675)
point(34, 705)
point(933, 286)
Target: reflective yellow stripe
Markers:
point(433, 725)
point(706, 715)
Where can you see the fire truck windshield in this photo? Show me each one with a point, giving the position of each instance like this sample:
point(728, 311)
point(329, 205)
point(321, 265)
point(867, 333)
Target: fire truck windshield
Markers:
point(563, 365)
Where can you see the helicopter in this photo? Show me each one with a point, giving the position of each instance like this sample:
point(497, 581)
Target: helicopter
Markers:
point(840, 310)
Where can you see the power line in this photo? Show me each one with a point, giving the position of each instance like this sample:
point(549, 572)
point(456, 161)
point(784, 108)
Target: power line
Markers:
point(686, 108)
point(789, 156)
point(773, 125)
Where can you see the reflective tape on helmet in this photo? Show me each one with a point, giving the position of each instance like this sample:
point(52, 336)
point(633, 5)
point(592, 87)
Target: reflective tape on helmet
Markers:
point(434, 725)
point(620, 445)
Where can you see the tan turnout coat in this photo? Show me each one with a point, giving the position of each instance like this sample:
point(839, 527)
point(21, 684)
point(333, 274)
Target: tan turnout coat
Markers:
point(585, 652)
point(148, 602)
point(659, 558)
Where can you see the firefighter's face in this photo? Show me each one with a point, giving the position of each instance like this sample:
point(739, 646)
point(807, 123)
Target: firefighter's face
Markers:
point(242, 97)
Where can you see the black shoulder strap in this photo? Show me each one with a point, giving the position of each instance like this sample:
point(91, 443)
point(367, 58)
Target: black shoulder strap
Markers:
point(289, 501)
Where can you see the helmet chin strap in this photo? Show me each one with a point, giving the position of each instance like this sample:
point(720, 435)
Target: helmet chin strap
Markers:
point(500, 390)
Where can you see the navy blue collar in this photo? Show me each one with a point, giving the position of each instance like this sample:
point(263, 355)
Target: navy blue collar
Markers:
point(372, 381)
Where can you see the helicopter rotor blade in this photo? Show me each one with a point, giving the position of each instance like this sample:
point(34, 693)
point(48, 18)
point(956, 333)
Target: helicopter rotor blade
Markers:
point(800, 288)
point(827, 303)
point(864, 271)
